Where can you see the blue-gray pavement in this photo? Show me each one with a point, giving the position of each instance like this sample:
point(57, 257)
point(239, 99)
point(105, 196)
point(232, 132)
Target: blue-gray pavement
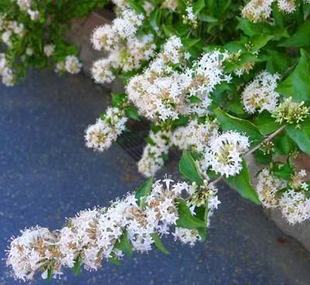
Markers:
point(46, 175)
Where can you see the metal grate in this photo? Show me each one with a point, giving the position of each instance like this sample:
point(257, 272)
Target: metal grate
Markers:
point(133, 140)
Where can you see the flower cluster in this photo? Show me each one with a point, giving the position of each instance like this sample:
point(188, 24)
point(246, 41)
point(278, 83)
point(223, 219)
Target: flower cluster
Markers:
point(95, 235)
point(224, 154)
point(127, 51)
point(195, 136)
point(5, 71)
point(28, 7)
point(153, 157)
point(190, 18)
point(161, 93)
point(260, 10)
point(106, 130)
point(291, 112)
point(290, 197)
point(260, 94)
point(9, 30)
point(70, 64)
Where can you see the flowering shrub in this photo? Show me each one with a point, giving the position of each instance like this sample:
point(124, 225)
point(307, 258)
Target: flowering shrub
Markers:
point(33, 35)
point(218, 84)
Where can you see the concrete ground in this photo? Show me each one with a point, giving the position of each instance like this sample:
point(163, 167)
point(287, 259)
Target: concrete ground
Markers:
point(46, 175)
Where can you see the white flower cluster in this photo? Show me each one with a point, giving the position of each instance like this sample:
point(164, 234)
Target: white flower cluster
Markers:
point(49, 50)
point(154, 153)
point(260, 10)
point(126, 50)
point(94, 235)
point(190, 18)
point(6, 72)
point(71, 64)
point(9, 30)
point(106, 130)
point(224, 153)
point(170, 4)
point(260, 94)
point(27, 6)
point(293, 203)
point(161, 93)
point(194, 136)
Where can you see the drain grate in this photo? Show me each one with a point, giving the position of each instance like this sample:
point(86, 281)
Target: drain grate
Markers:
point(133, 140)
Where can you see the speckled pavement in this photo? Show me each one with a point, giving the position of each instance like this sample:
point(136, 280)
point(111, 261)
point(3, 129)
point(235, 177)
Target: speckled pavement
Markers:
point(46, 174)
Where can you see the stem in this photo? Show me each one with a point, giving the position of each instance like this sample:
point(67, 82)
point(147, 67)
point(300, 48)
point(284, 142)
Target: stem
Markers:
point(249, 152)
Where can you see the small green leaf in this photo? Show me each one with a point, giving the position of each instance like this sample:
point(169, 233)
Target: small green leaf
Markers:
point(132, 113)
point(118, 99)
point(114, 259)
point(297, 84)
point(229, 122)
point(124, 244)
point(300, 136)
point(300, 39)
point(77, 265)
point(265, 123)
point(284, 171)
point(188, 168)
point(143, 190)
point(159, 244)
point(242, 183)
point(186, 219)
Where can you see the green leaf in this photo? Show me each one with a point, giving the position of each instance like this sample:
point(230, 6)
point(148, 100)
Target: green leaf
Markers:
point(118, 99)
point(132, 113)
point(229, 122)
point(198, 6)
point(242, 183)
point(284, 171)
point(297, 84)
point(124, 244)
point(114, 259)
point(144, 190)
point(300, 39)
point(77, 265)
point(265, 123)
point(188, 168)
point(300, 136)
point(158, 243)
point(284, 144)
point(186, 219)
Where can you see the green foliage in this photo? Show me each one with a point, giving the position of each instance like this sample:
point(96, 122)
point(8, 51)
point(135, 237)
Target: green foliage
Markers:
point(301, 136)
point(242, 183)
point(159, 244)
point(188, 168)
point(186, 219)
point(143, 190)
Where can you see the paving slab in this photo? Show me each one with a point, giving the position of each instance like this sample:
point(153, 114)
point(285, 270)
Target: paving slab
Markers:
point(46, 175)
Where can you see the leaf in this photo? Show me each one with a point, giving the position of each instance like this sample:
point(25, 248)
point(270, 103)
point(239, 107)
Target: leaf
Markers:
point(297, 84)
point(114, 259)
point(284, 171)
point(300, 136)
point(132, 113)
point(124, 244)
point(158, 243)
point(265, 123)
point(300, 39)
point(143, 190)
point(229, 122)
point(242, 183)
point(186, 219)
point(77, 265)
point(188, 168)
point(198, 6)
point(118, 99)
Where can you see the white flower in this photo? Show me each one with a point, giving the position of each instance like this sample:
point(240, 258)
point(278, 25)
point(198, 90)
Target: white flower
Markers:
point(24, 5)
point(72, 64)
point(170, 4)
point(127, 24)
point(102, 71)
point(295, 206)
point(287, 6)
point(186, 236)
point(104, 37)
point(258, 10)
point(93, 235)
point(260, 94)
point(152, 158)
point(6, 37)
point(105, 131)
point(8, 77)
point(267, 188)
point(33, 250)
point(224, 154)
point(49, 50)
point(194, 136)
point(29, 51)
point(34, 15)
